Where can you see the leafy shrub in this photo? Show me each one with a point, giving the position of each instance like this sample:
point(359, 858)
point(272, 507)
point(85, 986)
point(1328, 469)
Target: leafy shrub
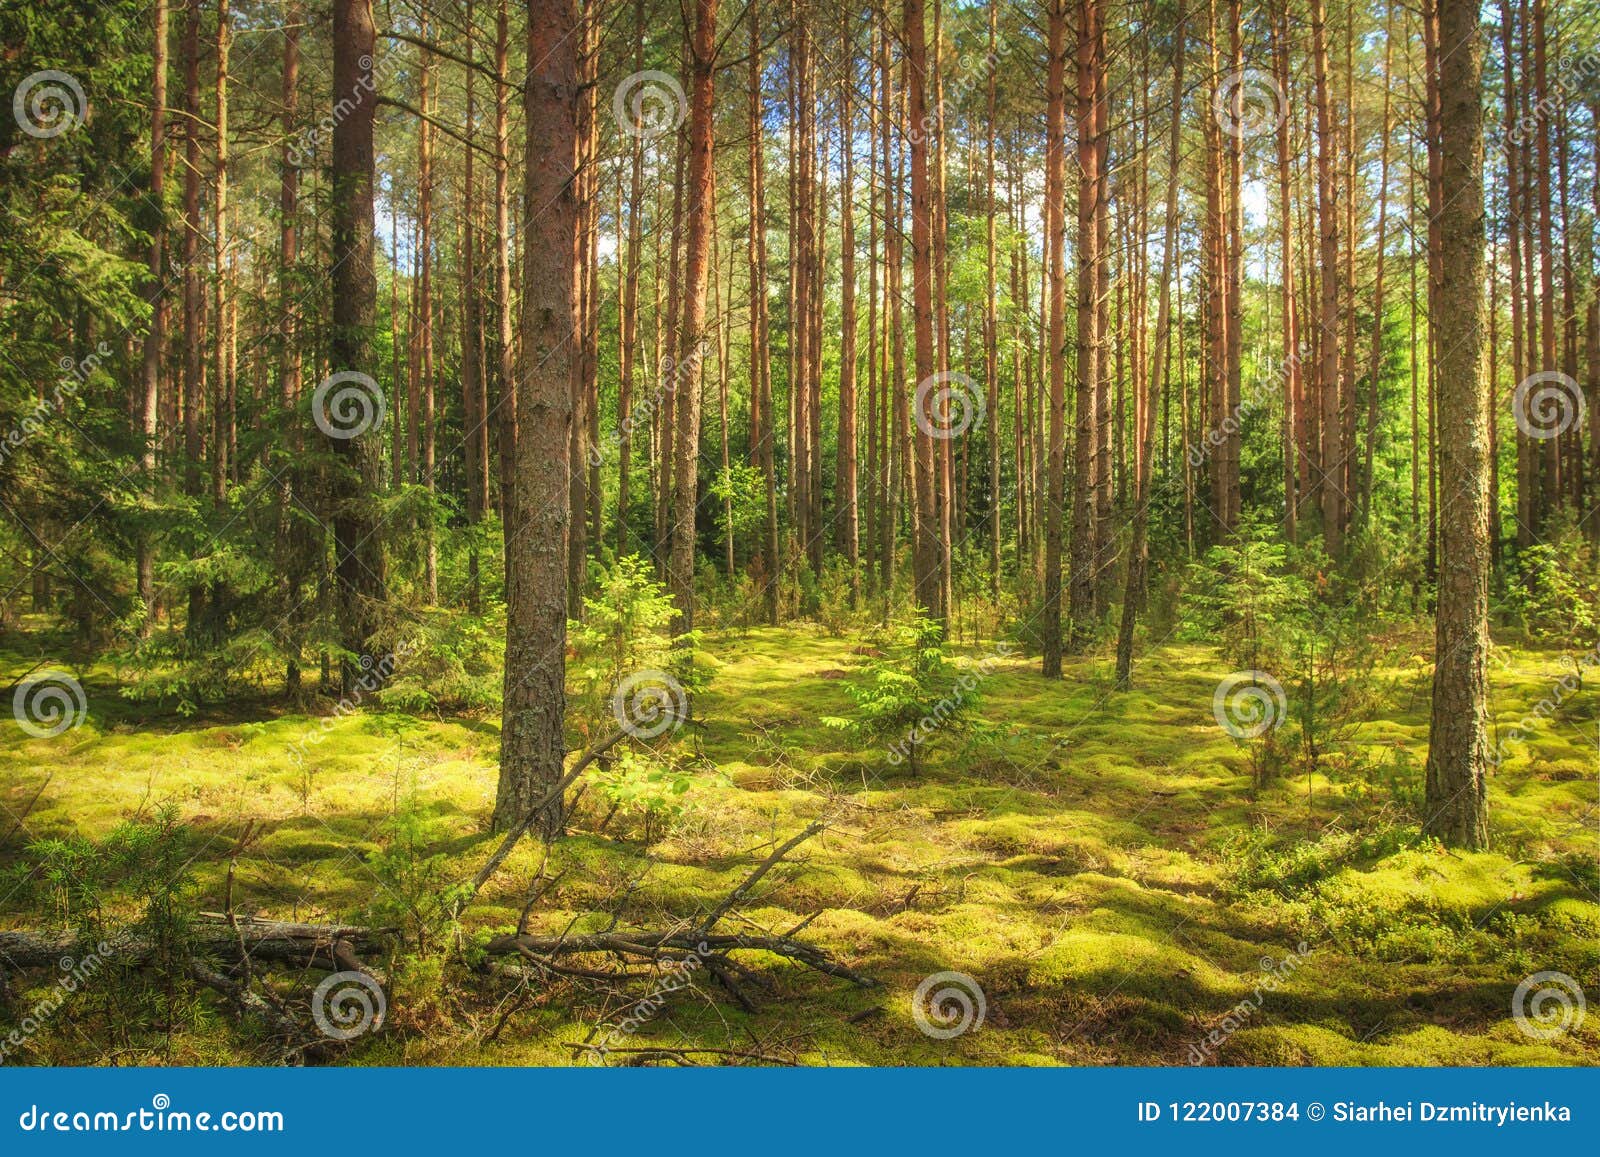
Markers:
point(169, 671)
point(137, 879)
point(741, 490)
point(1277, 608)
point(640, 785)
point(624, 629)
point(420, 887)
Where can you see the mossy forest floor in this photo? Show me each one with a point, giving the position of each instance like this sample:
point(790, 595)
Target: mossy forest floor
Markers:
point(1106, 870)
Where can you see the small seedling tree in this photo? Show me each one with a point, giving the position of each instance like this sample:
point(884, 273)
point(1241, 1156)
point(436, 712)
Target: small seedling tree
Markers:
point(909, 695)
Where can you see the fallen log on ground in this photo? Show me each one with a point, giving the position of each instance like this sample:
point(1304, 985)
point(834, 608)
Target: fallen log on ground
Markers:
point(238, 941)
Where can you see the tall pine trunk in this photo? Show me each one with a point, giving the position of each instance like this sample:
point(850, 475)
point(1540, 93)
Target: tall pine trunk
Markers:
point(1055, 279)
point(1086, 457)
point(148, 395)
point(358, 548)
point(691, 346)
point(1458, 741)
point(532, 746)
point(929, 581)
point(1138, 552)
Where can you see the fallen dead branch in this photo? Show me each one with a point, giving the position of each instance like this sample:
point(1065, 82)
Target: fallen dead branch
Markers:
point(682, 1053)
point(668, 945)
point(684, 942)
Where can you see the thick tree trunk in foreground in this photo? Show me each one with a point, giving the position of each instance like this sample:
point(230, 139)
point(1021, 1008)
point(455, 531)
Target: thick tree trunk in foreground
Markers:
point(531, 743)
point(691, 353)
point(358, 550)
point(1458, 738)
